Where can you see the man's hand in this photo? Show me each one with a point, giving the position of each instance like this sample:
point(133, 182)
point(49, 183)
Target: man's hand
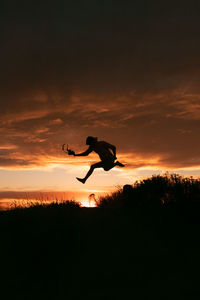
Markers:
point(71, 152)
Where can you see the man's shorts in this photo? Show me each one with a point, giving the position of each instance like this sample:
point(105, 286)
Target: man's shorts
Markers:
point(108, 164)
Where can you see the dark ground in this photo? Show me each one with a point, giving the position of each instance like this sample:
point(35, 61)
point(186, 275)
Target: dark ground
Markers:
point(98, 253)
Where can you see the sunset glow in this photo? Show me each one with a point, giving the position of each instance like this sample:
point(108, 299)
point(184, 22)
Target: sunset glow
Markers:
point(123, 79)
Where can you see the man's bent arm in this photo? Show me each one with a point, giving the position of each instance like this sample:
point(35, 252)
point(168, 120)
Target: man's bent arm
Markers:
point(113, 148)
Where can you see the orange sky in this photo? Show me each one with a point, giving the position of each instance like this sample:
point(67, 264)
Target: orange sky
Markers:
point(127, 73)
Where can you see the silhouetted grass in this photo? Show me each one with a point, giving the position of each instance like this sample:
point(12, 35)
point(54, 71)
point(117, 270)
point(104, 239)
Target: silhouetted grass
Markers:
point(39, 204)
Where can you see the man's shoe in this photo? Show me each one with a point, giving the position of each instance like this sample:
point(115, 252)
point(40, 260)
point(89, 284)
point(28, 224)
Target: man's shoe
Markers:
point(119, 164)
point(81, 180)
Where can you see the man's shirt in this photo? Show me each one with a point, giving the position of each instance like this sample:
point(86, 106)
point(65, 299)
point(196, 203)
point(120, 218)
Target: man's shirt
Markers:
point(103, 149)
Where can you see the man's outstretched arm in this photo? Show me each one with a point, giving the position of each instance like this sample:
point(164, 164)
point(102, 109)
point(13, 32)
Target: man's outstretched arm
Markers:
point(85, 153)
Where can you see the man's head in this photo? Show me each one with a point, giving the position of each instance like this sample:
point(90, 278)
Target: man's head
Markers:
point(91, 140)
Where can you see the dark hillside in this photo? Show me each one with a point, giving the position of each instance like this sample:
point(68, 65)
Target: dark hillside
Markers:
point(139, 243)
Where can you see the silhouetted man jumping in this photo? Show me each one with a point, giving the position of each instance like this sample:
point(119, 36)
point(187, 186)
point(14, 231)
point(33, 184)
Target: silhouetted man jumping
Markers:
point(106, 152)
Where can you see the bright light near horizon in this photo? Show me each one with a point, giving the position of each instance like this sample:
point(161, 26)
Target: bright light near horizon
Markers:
point(12, 203)
point(85, 203)
point(90, 202)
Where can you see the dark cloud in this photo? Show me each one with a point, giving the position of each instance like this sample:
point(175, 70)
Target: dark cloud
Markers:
point(126, 71)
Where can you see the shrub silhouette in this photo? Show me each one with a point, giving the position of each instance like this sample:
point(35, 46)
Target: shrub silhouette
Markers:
point(157, 191)
point(114, 199)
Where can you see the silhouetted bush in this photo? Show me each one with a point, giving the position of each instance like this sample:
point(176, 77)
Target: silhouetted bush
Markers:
point(114, 199)
point(157, 191)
